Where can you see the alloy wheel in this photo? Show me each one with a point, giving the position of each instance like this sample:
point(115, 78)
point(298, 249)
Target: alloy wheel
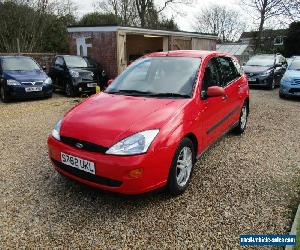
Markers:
point(243, 117)
point(184, 166)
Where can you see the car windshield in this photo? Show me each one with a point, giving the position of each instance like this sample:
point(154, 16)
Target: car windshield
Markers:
point(158, 76)
point(75, 62)
point(91, 63)
point(295, 65)
point(19, 64)
point(261, 61)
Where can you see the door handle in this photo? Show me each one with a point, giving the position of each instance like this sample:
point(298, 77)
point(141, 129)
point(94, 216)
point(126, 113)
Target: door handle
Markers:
point(225, 97)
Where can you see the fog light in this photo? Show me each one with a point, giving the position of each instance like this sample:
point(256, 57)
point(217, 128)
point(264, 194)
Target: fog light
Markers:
point(135, 173)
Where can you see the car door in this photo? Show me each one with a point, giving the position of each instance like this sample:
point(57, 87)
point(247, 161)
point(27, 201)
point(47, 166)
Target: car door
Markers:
point(232, 83)
point(57, 72)
point(213, 108)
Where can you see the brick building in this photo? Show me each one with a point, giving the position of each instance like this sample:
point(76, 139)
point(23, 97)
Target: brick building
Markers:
point(115, 46)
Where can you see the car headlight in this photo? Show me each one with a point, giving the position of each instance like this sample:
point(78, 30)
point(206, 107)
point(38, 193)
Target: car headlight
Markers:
point(267, 73)
point(135, 144)
point(56, 131)
point(74, 73)
point(11, 82)
point(48, 81)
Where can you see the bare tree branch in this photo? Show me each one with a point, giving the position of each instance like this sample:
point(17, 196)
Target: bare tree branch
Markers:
point(224, 22)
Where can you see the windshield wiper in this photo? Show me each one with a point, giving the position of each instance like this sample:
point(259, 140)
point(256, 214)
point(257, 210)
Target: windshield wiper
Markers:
point(129, 91)
point(147, 93)
point(170, 95)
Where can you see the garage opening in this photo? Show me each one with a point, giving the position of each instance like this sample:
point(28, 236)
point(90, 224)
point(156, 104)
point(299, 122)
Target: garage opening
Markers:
point(139, 45)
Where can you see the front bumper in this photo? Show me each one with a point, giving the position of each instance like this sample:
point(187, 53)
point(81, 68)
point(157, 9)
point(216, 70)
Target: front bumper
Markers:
point(82, 86)
point(112, 172)
point(260, 81)
point(19, 92)
point(289, 90)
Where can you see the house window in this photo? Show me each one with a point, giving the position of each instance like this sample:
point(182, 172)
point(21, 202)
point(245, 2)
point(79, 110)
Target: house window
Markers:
point(278, 40)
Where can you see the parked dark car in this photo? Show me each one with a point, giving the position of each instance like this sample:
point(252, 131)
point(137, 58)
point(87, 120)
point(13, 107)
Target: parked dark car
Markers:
point(77, 75)
point(265, 70)
point(21, 78)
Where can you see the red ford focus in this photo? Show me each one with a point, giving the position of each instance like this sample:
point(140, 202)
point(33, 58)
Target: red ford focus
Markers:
point(150, 125)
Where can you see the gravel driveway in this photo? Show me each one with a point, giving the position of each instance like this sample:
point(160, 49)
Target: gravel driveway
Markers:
point(248, 184)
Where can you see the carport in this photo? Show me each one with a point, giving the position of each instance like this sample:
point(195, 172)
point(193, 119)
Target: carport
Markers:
point(116, 46)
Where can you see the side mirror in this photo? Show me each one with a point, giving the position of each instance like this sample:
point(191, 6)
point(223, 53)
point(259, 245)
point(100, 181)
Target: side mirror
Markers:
point(215, 91)
point(109, 82)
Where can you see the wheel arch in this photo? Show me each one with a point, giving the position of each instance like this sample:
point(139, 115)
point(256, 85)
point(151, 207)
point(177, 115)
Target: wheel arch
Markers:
point(194, 140)
point(247, 100)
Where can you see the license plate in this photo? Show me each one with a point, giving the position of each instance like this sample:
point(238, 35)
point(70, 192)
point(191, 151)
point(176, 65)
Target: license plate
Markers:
point(33, 89)
point(78, 163)
point(251, 79)
point(92, 85)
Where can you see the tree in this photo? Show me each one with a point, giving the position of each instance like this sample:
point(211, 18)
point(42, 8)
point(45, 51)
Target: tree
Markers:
point(145, 8)
point(123, 9)
point(19, 27)
point(97, 18)
point(143, 13)
point(220, 20)
point(167, 24)
point(33, 26)
point(292, 41)
point(266, 10)
point(55, 39)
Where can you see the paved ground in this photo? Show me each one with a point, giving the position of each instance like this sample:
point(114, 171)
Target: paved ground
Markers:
point(248, 184)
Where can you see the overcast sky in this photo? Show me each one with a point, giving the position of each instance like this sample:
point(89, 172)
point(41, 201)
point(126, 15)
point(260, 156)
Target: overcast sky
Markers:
point(185, 21)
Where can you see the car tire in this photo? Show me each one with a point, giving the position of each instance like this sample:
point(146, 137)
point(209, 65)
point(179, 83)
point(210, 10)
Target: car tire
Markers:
point(3, 95)
point(181, 168)
point(282, 95)
point(242, 123)
point(69, 90)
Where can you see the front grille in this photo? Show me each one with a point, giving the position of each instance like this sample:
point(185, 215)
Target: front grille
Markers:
point(294, 90)
point(33, 83)
point(297, 81)
point(88, 146)
point(252, 74)
point(87, 75)
point(87, 176)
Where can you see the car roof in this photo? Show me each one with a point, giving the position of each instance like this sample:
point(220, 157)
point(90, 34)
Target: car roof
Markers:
point(187, 53)
point(3, 57)
point(67, 55)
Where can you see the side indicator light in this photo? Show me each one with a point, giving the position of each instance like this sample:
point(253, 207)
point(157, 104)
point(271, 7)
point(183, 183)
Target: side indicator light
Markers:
point(136, 173)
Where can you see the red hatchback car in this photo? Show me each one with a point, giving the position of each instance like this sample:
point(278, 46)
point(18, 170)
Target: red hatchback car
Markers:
point(148, 128)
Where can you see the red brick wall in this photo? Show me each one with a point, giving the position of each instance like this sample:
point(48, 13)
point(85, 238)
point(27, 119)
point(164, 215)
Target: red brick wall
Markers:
point(44, 59)
point(104, 49)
